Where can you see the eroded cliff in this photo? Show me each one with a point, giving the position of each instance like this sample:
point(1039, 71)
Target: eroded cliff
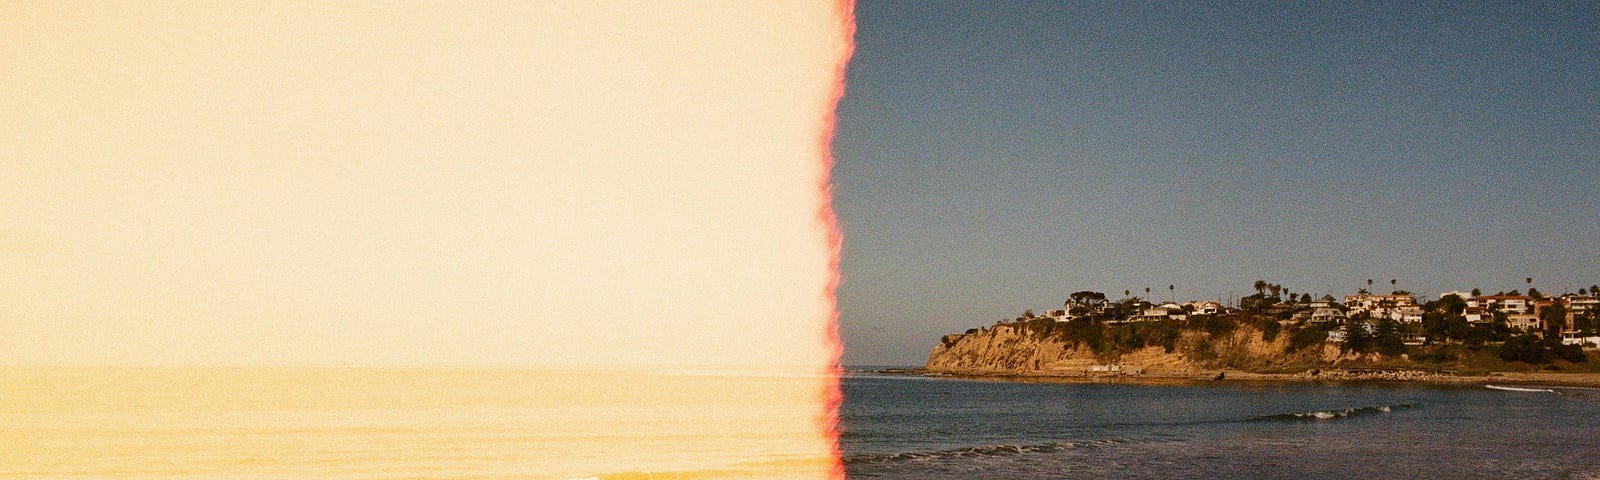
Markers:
point(1017, 348)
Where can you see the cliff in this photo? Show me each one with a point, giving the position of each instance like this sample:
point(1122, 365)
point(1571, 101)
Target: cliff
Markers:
point(1021, 348)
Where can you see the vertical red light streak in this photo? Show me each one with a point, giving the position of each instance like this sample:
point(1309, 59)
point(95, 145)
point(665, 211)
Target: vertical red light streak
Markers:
point(832, 395)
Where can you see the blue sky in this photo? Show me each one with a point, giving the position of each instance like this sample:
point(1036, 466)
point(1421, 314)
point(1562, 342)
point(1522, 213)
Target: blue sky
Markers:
point(995, 156)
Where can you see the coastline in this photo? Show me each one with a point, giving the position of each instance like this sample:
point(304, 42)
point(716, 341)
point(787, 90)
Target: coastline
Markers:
point(1228, 376)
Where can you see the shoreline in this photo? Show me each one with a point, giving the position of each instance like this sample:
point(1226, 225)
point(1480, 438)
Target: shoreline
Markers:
point(1238, 377)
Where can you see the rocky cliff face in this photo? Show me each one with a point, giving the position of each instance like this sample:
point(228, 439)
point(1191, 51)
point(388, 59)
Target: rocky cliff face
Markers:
point(1007, 349)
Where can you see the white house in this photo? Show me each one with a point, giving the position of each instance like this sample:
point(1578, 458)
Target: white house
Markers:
point(1206, 308)
point(1504, 303)
point(1327, 315)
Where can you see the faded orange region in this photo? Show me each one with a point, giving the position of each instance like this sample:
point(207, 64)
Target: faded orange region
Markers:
point(833, 396)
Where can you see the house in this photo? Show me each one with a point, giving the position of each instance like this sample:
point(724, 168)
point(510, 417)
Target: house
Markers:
point(1526, 322)
point(1164, 311)
point(1205, 308)
point(1380, 306)
point(1338, 335)
point(1581, 303)
point(1478, 315)
point(1503, 303)
point(1575, 338)
point(1327, 315)
point(1411, 314)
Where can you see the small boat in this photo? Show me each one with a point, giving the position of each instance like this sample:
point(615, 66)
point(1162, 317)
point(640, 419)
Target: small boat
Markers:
point(1518, 389)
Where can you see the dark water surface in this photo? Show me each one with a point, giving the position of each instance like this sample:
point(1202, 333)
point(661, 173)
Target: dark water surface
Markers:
point(930, 428)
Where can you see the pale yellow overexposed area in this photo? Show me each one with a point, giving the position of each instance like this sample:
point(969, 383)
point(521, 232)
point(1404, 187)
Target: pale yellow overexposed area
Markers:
point(415, 183)
point(335, 423)
point(365, 239)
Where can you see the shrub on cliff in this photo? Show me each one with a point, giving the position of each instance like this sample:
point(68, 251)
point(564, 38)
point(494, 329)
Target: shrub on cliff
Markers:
point(1531, 349)
point(1526, 349)
point(1305, 337)
point(1269, 329)
point(1216, 325)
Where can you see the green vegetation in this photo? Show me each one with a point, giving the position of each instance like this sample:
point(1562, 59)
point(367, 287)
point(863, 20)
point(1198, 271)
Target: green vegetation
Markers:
point(1305, 337)
point(1105, 339)
point(1371, 335)
point(1534, 350)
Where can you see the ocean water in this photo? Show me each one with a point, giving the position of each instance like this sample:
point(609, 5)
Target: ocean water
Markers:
point(130, 423)
point(255, 423)
point(940, 428)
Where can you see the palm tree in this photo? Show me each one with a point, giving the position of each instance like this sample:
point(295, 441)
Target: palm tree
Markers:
point(1261, 287)
point(1369, 284)
point(1391, 283)
point(1170, 295)
point(1125, 293)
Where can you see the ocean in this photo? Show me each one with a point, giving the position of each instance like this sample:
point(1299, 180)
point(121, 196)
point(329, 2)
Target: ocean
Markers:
point(913, 427)
point(288, 423)
point(359, 423)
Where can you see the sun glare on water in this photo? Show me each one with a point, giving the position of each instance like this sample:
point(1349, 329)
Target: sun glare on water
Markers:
point(419, 240)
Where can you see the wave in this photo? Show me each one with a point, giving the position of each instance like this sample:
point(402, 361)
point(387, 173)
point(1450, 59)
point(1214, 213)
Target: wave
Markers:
point(978, 451)
point(1004, 450)
point(1521, 389)
point(1321, 415)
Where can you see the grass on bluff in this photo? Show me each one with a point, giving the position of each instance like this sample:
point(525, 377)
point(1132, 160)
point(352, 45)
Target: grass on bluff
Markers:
point(1116, 339)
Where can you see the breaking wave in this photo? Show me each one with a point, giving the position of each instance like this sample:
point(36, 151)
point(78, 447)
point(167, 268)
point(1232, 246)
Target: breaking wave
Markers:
point(1321, 415)
point(979, 451)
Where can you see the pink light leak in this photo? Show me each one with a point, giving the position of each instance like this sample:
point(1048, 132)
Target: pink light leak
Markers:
point(832, 395)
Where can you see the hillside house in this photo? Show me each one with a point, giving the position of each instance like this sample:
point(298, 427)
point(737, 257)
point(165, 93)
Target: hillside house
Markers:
point(1503, 303)
point(1526, 322)
point(1327, 315)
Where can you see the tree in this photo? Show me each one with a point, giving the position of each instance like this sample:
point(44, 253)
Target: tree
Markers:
point(1170, 292)
point(1554, 318)
point(1386, 338)
point(1535, 293)
point(1261, 287)
point(1392, 283)
point(1477, 293)
point(1356, 337)
point(1275, 290)
point(1525, 348)
point(1587, 324)
point(1087, 297)
point(1305, 298)
point(1451, 304)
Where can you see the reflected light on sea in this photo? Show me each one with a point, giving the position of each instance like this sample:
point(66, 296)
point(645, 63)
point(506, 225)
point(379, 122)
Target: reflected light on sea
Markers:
point(409, 423)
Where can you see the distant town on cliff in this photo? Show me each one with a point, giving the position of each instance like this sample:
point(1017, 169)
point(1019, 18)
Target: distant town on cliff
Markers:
point(1529, 326)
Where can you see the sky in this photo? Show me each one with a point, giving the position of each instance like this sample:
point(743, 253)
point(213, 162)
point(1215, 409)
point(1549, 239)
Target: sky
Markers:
point(422, 183)
point(993, 157)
